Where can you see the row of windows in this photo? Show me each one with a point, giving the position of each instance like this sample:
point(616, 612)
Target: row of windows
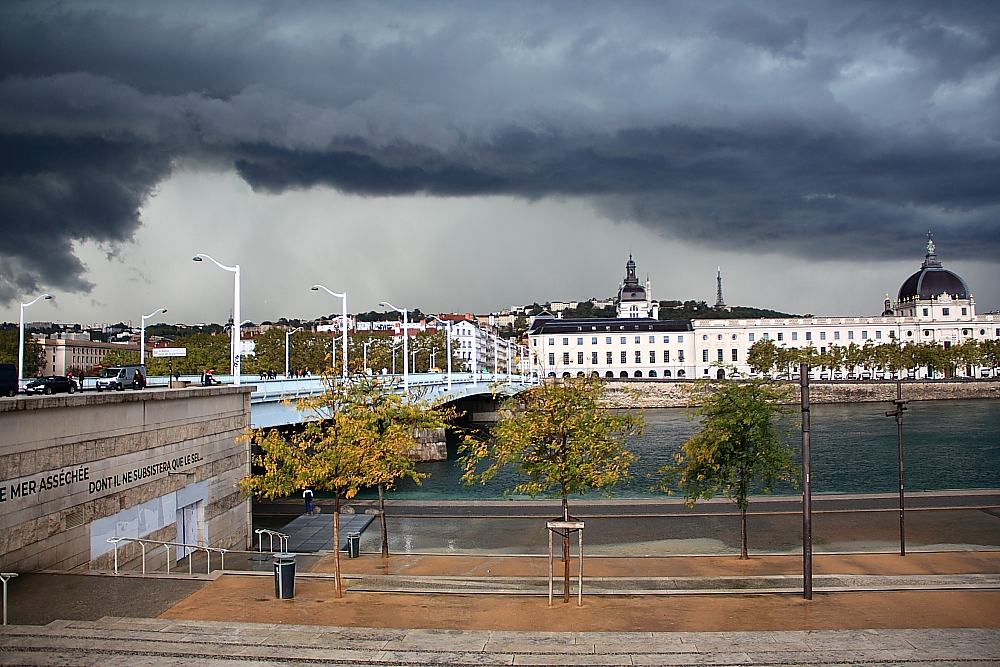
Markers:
point(623, 357)
point(623, 340)
point(624, 374)
point(779, 336)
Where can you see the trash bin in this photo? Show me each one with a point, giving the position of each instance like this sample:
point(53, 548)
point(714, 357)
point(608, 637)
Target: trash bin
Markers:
point(284, 576)
point(353, 545)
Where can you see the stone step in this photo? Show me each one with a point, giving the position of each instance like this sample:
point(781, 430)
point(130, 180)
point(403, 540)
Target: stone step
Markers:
point(668, 585)
point(156, 642)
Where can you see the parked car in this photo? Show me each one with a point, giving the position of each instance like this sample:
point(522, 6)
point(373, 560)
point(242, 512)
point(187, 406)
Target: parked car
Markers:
point(51, 384)
point(118, 377)
point(8, 380)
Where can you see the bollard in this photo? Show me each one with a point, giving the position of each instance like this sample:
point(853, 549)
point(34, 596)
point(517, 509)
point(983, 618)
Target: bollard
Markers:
point(284, 576)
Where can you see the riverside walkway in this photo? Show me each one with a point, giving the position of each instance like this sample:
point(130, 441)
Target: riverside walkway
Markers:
point(937, 607)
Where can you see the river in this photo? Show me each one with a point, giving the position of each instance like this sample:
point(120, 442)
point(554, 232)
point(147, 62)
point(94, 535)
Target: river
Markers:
point(948, 445)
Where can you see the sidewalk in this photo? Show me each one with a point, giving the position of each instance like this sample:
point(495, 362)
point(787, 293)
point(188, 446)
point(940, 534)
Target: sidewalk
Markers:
point(251, 598)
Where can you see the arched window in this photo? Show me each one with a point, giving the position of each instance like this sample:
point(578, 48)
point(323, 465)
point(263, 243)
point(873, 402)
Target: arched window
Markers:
point(609, 374)
point(652, 374)
point(623, 374)
point(552, 375)
point(680, 373)
point(638, 374)
point(721, 374)
point(566, 375)
point(666, 374)
point(579, 374)
point(595, 374)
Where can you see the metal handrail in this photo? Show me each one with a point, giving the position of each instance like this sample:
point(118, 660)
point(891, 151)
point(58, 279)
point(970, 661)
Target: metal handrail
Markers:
point(6, 576)
point(271, 534)
point(195, 547)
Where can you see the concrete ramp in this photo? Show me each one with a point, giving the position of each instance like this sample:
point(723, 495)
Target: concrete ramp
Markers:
point(311, 533)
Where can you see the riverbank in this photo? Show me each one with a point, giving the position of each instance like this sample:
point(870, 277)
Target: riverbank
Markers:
point(645, 393)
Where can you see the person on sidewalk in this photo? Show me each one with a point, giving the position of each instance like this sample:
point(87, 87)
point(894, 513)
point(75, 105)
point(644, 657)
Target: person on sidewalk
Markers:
point(307, 495)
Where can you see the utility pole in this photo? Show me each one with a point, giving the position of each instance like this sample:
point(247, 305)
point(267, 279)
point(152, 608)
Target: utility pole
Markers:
point(807, 565)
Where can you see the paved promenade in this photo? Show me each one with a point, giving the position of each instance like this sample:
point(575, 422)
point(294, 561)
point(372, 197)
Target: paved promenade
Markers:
point(927, 608)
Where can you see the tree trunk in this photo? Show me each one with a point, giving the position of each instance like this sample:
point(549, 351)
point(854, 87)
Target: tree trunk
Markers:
point(565, 508)
point(336, 546)
point(743, 534)
point(381, 513)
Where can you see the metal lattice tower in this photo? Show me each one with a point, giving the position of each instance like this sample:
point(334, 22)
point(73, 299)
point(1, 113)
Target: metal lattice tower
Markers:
point(719, 301)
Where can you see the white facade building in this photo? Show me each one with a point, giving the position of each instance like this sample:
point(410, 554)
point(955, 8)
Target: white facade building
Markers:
point(934, 305)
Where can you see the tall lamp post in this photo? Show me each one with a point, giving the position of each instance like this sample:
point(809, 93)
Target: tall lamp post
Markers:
point(20, 348)
point(448, 325)
point(406, 344)
point(343, 297)
point(288, 335)
point(234, 335)
point(142, 334)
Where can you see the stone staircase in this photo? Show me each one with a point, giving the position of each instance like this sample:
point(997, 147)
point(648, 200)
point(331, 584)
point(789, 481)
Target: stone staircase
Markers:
point(129, 642)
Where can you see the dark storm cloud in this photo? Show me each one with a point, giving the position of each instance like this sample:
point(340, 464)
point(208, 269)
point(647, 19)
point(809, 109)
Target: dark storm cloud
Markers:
point(816, 129)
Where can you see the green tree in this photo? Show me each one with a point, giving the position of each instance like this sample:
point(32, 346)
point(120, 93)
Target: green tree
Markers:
point(562, 439)
point(362, 440)
point(120, 357)
point(268, 352)
point(34, 354)
point(762, 357)
point(739, 448)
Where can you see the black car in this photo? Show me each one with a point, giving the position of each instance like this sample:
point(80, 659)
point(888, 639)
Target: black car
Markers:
point(50, 385)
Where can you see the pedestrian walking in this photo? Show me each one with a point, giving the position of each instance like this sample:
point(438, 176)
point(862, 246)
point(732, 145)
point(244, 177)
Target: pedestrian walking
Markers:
point(307, 495)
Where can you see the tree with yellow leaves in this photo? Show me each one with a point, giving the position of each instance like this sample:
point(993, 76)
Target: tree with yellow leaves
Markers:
point(357, 434)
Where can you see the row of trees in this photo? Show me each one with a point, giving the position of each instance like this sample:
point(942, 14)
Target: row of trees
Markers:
point(559, 437)
point(767, 358)
point(308, 352)
point(34, 354)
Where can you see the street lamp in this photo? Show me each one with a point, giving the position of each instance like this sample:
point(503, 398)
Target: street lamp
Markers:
point(364, 362)
point(20, 349)
point(234, 351)
point(142, 334)
point(288, 335)
point(447, 324)
point(343, 297)
point(406, 344)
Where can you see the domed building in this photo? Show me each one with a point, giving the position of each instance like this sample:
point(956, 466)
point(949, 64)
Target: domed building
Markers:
point(934, 292)
point(933, 306)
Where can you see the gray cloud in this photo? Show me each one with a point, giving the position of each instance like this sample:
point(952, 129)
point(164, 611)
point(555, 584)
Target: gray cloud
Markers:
point(813, 129)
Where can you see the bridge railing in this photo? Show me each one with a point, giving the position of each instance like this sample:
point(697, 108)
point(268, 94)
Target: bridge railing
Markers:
point(192, 549)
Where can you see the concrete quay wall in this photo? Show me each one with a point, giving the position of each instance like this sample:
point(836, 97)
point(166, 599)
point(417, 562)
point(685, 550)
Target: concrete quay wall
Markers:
point(624, 393)
point(159, 464)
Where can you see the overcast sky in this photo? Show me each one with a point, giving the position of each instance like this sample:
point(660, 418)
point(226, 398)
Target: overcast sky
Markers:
point(470, 156)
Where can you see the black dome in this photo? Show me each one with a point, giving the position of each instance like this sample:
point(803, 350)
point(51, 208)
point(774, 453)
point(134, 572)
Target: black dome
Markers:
point(930, 282)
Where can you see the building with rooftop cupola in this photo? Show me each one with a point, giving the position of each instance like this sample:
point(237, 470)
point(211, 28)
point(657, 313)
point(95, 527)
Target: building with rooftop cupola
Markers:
point(934, 292)
point(934, 306)
point(635, 300)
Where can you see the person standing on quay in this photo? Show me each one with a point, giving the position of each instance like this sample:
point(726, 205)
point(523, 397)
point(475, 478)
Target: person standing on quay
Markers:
point(307, 495)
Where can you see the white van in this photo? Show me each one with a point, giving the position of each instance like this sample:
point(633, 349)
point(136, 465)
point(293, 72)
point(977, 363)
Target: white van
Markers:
point(118, 377)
